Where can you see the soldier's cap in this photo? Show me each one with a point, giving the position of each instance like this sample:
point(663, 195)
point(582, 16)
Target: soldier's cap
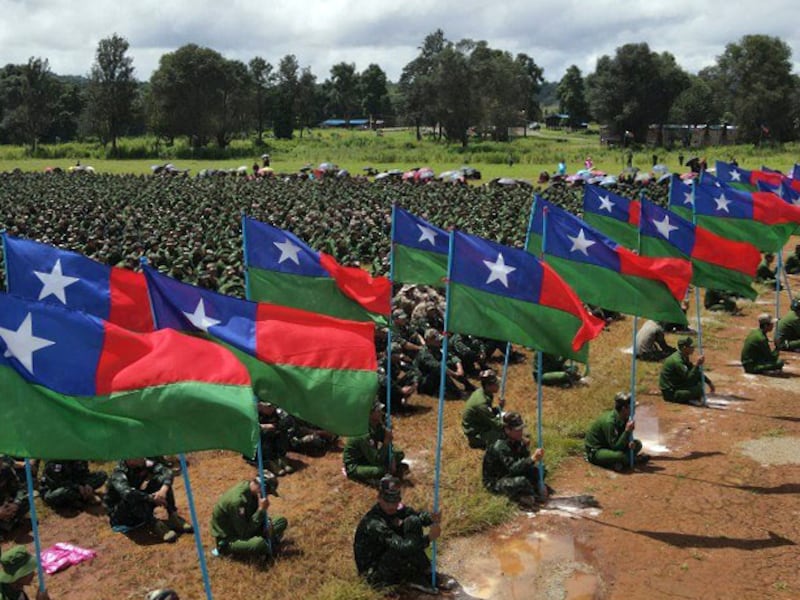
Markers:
point(513, 420)
point(487, 376)
point(389, 489)
point(399, 313)
point(162, 595)
point(378, 406)
point(685, 342)
point(432, 334)
point(795, 305)
point(765, 319)
point(16, 563)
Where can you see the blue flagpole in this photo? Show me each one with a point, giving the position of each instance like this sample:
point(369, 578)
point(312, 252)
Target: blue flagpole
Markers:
point(503, 379)
point(389, 334)
point(440, 422)
point(697, 304)
point(632, 452)
point(539, 367)
point(778, 271)
point(201, 557)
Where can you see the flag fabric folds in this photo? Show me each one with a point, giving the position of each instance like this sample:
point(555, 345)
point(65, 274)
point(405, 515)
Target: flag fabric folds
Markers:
point(43, 272)
point(748, 180)
point(284, 270)
point(606, 274)
point(507, 294)
point(318, 368)
point(614, 216)
point(419, 249)
point(78, 387)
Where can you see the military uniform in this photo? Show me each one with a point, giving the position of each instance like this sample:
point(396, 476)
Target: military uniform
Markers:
point(428, 363)
point(757, 356)
point(787, 332)
point(12, 491)
point(719, 300)
point(127, 499)
point(792, 264)
point(238, 525)
point(61, 482)
point(765, 273)
point(390, 550)
point(651, 345)
point(275, 442)
point(556, 370)
point(606, 441)
point(508, 469)
point(680, 380)
point(366, 458)
point(308, 439)
point(481, 421)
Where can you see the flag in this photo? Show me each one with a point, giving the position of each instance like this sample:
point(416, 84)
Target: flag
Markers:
point(717, 262)
point(42, 272)
point(745, 179)
point(614, 216)
point(606, 274)
point(78, 387)
point(795, 174)
point(317, 368)
point(420, 250)
point(759, 218)
point(507, 294)
point(284, 270)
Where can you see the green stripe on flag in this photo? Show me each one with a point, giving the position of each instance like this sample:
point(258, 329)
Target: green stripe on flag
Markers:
point(625, 234)
point(419, 266)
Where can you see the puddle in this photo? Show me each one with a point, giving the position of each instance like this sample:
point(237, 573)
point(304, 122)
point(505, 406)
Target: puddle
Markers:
point(648, 430)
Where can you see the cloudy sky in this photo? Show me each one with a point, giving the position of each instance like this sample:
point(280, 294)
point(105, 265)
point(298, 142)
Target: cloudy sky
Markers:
point(324, 32)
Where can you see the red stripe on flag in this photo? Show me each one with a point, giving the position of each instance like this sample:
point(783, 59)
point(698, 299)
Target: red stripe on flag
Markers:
point(717, 250)
point(675, 273)
point(634, 212)
point(373, 293)
point(771, 210)
point(773, 179)
point(289, 336)
point(555, 293)
point(130, 304)
point(132, 361)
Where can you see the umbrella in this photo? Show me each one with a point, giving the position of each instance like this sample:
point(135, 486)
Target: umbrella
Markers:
point(660, 169)
point(608, 180)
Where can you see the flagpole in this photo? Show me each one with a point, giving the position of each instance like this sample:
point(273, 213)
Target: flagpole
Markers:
point(198, 542)
point(442, 381)
point(778, 272)
point(539, 368)
point(697, 305)
point(389, 335)
point(37, 543)
point(505, 374)
point(632, 451)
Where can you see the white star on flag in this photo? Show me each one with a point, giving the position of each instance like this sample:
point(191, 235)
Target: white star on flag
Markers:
point(199, 319)
point(499, 271)
point(735, 175)
point(664, 227)
point(55, 283)
point(427, 235)
point(580, 243)
point(605, 203)
point(21, 344)
point(687, 198)
point(722, 203)
point(289, 251)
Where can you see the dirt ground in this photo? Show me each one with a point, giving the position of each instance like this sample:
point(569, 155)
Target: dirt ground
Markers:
point(715, 514)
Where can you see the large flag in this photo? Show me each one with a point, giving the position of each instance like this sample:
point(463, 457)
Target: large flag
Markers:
point(42, 272)
point(318, 368)
point(758, 218)
point(795, 174)
point(508, 294)
point(606, 274)
point(77, 387)
point(420, 250)
point(284, 270)
point(612, 215)
point(748, 180)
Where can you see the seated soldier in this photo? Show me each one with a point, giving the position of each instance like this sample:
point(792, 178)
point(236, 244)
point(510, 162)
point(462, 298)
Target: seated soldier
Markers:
point(70, 484)
point(557, 370)
point(720, 300)
point(404, 379)
point(757, 356)
point(428, 363)
point(389, 545)
point(306, 438)
point(274, 426)
point(680, 380)
point(609, 440)
point(136, 487)
point(366, 457)
point(482, 422)
point(651, 345)
point(508, 467)
point(239, 521)
point(13, 496)
point(765, 273)
point(787, 332)
point(792, 264)
point(17, 568)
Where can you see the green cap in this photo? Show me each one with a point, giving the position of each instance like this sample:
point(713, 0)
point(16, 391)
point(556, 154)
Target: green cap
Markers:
point(16, 563)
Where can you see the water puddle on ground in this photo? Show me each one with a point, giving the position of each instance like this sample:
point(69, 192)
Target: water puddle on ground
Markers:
point(648, 430)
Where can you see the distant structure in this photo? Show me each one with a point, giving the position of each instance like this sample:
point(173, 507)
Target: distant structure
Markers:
point(677, 136)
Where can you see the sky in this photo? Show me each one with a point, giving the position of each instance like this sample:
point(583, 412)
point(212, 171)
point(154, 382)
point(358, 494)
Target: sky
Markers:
point(321, 33)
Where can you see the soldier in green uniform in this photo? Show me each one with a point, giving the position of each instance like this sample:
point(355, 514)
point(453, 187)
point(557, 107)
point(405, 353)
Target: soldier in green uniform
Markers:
point(757, 356)
point(508, 467)
point(239, 523)
point(787, 332)
point(274, 427)
point(556, 369)
point(17, 568)
point(792, 264)
point(609, 439)
point(720, 301)
point(135, 488)
point(69, 483)
point(306, 438)
point(429, 361)
point(765, 273)
point(390, 542)
point(13, 496)
point(482, 422)
point(366, 457)
point(680, 380)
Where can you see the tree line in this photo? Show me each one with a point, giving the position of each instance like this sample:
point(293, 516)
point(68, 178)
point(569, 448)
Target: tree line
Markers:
point(455, 89)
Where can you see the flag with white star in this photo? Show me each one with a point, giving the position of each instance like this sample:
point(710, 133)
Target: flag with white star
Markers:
point(612, 215)
point(318, 368)
point(507, 294)
point(78, 387)
point(282, 269)
point(43, 272)
point(419, 250)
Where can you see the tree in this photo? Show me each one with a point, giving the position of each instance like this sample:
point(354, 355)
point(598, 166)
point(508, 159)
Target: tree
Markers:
point(374, 93)
point(452, 86)
point(343, 90)
point(263, 78)
point(416, 82)
point(112, 90)
point(29, 94)
point(695, 105)
point(571, 93)
point(308, 103)
point(285, 98)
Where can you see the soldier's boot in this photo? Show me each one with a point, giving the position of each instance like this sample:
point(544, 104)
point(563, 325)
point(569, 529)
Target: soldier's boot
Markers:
point(285, 465)
point(275, 467)
point(179, 524)
point(162, 530)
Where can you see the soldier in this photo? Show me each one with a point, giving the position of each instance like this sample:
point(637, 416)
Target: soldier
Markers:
point(429, 361)
point(306, 438)
point(481, 422)
point(609, 439)
point(409, 341)
point(787, 333)
point(651, 344)
point(757, 356)
point(720, 300)
point(390, 543)
point(274, 424)
point(765, 273)
point(239, 521)
point(13, 496)
point(17, 568)
point(366, 457)
point(556, 370)
point(136, 487)
point(680, 380)
point(792, 264)
point(69, 483)
point(508, 467)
